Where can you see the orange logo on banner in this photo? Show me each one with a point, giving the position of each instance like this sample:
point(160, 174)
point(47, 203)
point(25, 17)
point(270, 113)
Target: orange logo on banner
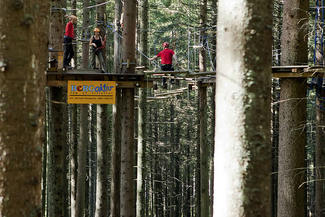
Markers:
point(91, 92)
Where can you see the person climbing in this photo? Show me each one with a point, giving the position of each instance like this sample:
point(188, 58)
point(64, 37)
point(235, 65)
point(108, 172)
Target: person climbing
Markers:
point(167, 55)
point(97, 45)
point(68, 37)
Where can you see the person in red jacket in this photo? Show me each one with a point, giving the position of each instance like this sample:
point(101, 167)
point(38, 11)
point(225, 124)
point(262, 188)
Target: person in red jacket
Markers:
point(167, 55)
point(68, 37)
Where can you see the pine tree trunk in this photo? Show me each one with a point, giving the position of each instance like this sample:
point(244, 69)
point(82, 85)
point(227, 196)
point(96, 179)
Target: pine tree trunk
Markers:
point(58, 141)
point(204, 152)
point(91, 183)
point(214, 6)
point(58, 182)
point(22, 105)
point(243, 86)
point(320, 152)
point(116, 156)
point(102, 163)
point(73, 158)
point(127, 119)
point(117, 36)
point(82, 152)
point(143, 17)
point(45, 158)
point(116, 122)
point(292, 114)
point(85, 35)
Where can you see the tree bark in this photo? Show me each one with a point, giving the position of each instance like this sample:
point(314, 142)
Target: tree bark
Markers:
point(143, 18)
point(204, 152)
point(117, 36)
point(85, 35)
point(102, 163)
point(320, 151)
point(73, 158)
point(22, 105)
point(127, 120)
point(116, 156)
point(292, 113)
point(243, 86)
point(58, 182)
point(82, 152)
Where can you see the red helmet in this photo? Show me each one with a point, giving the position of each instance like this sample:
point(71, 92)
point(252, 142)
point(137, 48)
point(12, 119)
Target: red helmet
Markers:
point(165, 44)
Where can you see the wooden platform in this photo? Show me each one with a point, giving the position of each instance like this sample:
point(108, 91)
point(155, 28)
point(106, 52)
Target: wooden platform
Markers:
point(300, 71)
point(60, 78)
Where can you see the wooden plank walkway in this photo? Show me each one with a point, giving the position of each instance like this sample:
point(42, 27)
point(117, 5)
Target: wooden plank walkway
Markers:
point(60, 78)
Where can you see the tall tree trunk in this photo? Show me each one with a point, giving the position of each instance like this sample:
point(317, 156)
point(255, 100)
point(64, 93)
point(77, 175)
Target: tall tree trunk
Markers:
point(127, 120)
point(143, 13)
point(58, 141)
point(243, 87)
point(213, 108)
point(45, 154)
point(21, 105)
point(320, 126)
point(102, 163)
point(214, 6)
point(116, 156)
point(82, 152)
point(58, 182)
point(85, 35)
point(203, 145)
point(102, 146)
point(292, 113)
point(116, 123)
point(73, 157)
point(204, 152)
point(91, 183)
point(320, 151)
point(117, 36)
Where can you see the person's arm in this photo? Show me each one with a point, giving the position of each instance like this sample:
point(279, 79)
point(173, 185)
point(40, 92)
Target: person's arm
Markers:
point(153, 58)
point(103, 42)
point(175, 59)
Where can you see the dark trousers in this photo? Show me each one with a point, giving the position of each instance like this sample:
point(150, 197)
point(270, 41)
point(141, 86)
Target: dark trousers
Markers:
point(167, 67)
point(68, 51)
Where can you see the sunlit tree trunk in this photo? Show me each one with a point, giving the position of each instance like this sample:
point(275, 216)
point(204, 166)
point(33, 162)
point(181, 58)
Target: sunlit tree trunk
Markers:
point(22, 104)
point(243, 86)
point(82, 152)
point(102, 163)
point(143, 18)
point(292, 113)
point(116, 122)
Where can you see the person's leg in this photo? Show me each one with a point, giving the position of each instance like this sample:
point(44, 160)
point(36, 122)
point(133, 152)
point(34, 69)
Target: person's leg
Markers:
point(101, 60)
point(164, 80)
point(92, 59)
point(67, 51)
point(71, 53)
point(65, 54)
